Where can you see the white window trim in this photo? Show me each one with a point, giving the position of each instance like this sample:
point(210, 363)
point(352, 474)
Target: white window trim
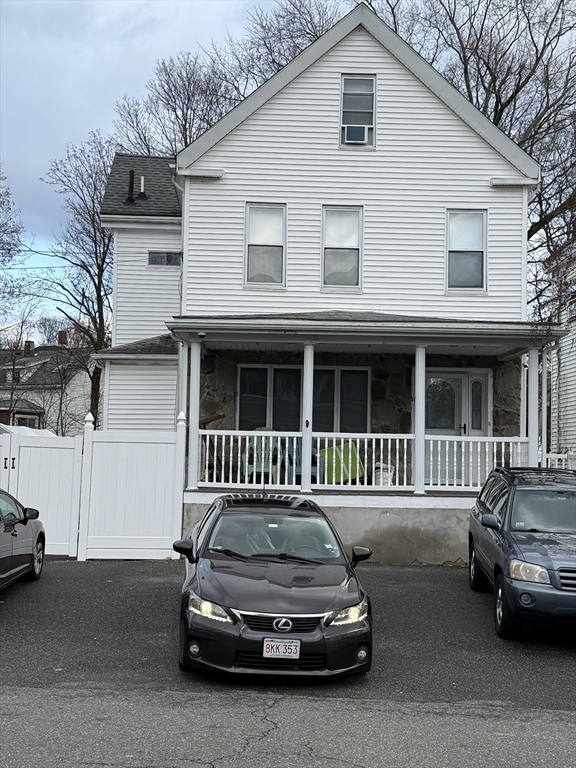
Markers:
point(344, 288)
point(270, 389)
point(466, 291)
point(357, 147)
point(265, 286)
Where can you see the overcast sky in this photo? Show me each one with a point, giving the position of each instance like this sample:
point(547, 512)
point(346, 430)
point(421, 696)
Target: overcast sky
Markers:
point(65, 63)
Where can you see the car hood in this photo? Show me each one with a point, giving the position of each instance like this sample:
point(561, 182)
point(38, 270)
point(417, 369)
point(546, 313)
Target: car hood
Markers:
point(551, 550)
point(270, 587)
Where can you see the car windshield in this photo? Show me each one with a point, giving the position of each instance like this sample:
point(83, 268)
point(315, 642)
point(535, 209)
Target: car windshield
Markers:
point(549, 511)
point(275, 536)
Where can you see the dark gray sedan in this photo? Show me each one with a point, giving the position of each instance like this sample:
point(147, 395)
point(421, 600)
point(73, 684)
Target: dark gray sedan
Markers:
point(22, 541)
point(522, 540)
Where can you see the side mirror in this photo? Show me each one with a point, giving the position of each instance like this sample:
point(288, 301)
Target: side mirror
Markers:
point(185, 547)
point(31, 514)
point(490, 521)
point(360, 553)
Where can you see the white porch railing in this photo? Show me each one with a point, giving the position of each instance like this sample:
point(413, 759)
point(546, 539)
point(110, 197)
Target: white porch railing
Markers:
point(560, 460)
point(465, 462)
point(257, 460)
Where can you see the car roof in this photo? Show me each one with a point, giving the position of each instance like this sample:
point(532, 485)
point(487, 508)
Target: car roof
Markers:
point(539, 477)
point(272, 503)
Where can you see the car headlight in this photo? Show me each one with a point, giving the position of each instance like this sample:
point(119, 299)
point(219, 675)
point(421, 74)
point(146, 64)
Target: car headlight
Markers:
point(528, 572)
point(207, 609)
point(352, 615)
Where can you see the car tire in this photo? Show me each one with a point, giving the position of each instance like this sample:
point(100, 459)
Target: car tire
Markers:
point(477, 579)
point(37, 561)
point(506, 624)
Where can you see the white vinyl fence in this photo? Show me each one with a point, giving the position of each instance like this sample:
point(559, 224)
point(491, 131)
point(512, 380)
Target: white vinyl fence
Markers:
point(105, 494)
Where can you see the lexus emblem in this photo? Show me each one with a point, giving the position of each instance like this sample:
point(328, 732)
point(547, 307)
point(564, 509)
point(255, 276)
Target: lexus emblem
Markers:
point(282, 625)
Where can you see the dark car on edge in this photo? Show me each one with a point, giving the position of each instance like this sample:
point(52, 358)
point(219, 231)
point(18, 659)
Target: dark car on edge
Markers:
point(522, 540)
point(22, 541)
point(269, 589)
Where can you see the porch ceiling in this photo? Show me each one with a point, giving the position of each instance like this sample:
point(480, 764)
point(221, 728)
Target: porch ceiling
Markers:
point(368, 332)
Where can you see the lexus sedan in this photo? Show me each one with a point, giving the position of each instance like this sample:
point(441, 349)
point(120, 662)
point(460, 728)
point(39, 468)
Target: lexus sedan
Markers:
point(523, 544)
point(269, 588)
point(22, 541)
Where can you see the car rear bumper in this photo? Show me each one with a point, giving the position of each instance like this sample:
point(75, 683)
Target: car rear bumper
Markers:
point(235, 648)
point(547, 602)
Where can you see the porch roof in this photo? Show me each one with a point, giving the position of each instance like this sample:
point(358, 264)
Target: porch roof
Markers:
point(375, 332)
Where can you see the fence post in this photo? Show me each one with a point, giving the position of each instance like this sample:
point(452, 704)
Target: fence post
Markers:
point(179, 477)
point(85, 485)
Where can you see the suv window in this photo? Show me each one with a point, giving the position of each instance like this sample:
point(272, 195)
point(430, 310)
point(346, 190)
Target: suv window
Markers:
point(9, 508)
point(499, 504)
point(488, 486)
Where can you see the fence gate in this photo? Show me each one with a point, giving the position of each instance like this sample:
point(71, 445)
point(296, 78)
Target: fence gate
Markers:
point(44, 473)
point(131, 500)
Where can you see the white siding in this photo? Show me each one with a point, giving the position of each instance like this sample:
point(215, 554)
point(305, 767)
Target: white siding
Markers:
point(142, 397)
point(426, 161)
point(563, 422)
point(144, 296)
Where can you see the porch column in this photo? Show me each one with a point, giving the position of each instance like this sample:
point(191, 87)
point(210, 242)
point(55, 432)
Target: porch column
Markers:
point(182, 384)
point(306, 426)
point(194, 414)
point(419, 458)
point(544, 439)
point(532, 407)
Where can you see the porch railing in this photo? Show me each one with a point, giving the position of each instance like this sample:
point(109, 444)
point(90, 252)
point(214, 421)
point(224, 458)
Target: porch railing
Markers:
point(561, 460)
point(257, 460)
point(465, 462)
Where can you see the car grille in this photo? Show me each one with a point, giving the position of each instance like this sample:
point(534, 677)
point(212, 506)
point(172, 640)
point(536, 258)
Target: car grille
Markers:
point(568, 578)
point(265, 623)
point(310, 661)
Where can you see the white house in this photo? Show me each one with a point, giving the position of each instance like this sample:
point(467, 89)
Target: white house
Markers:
point(563, 382)
point(331, 284)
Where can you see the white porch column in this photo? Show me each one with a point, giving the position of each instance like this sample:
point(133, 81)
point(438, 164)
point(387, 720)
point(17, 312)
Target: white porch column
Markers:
point(544, 438)
point(194, 414)
point(419, 458)
point(306, 426)
point(182, 384)
point(532, 407)
point(523, 398)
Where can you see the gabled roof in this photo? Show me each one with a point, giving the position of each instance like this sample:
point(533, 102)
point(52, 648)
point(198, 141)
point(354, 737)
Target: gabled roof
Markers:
point(161, 194)
point(364, 17)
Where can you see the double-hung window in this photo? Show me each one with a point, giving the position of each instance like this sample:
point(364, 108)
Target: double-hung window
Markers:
point(466, 250)
point(265, 244)
point(357, 110)
point(342, 247)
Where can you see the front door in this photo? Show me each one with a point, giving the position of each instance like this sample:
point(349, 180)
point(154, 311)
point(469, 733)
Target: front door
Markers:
point(456, 406)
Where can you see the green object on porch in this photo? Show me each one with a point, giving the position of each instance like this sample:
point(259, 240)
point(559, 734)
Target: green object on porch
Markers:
point(342, 464)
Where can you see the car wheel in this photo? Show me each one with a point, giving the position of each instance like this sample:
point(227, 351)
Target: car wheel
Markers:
point(477, 579)
point(505, 622)
point(37, 561)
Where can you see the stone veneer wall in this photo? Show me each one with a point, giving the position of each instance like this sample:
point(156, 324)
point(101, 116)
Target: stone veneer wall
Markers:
point(391, 392)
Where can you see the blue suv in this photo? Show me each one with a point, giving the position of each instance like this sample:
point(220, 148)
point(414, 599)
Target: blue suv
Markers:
point(522, 541)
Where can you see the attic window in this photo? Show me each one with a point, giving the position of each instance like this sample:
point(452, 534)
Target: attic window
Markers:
point(357, 110)
point(15, 377)
point(164, 258)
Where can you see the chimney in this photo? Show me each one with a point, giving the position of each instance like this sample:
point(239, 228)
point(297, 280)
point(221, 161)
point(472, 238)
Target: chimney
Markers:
point(62, 339)
point(28, 349)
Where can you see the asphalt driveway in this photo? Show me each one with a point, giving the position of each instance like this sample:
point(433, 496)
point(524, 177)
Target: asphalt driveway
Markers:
point(93, 648)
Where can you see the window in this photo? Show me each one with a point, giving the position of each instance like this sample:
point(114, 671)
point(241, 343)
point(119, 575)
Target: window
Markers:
point(25, 420)
point(466, 249)
point(342, 247)
point(357, 110)
point(272, 398)
point(265, 228)
point(164, 259)
point(15, 377)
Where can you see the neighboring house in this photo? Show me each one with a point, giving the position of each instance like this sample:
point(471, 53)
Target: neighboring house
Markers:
point(563, 380)
point(340, 261)
point(45, 387)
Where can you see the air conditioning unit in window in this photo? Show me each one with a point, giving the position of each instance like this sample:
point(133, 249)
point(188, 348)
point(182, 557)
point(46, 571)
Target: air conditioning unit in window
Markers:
point(355, 134)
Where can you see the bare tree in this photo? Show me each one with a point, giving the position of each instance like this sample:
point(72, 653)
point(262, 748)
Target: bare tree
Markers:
point(11, 229)
point(83, 295)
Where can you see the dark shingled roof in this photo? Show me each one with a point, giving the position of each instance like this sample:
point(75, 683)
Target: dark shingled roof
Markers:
point(161, 194)
point(157, 345)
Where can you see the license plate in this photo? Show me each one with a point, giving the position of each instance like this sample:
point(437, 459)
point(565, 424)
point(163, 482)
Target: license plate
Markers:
point(281, 649)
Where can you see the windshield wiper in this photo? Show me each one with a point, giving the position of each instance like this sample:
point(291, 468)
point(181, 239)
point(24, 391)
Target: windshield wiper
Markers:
point(287, 556)
point(230, 553)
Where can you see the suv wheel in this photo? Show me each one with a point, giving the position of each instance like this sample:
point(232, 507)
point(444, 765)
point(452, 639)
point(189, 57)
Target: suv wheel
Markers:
point(477, 579)
point(505, 622)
